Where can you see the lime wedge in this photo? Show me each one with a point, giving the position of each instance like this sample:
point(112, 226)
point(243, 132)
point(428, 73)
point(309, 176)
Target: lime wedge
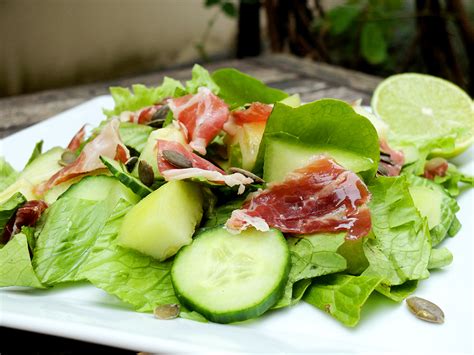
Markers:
point(420, 107)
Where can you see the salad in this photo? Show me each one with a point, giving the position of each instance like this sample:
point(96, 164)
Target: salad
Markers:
point(222, 199)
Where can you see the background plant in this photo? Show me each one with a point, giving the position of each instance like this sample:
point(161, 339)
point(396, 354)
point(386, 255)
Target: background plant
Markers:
point(380, 37)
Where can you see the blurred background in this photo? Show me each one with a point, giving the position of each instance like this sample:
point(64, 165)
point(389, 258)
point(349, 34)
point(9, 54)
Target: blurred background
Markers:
point(48, 44)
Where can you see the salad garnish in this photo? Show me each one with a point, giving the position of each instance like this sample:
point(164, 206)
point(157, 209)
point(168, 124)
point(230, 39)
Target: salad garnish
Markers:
point(223, 198)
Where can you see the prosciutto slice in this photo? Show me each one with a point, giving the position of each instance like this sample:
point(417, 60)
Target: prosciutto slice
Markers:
point(435, 167)
point(256, 112)
point(391, 160)
point(201, 168)
point(321, 197)
point(203, 115)
point(142, 116)
point(107, 144)
point(77, 140)
point(26, 215)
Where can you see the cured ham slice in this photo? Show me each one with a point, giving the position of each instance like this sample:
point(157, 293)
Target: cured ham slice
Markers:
point(256, 112)
point(198, 167)
point(77, 140)
point(391, 160)
point(203, 115)
point(321, 197)
point(142, 116)
point(435, 167)
point(26, 215)
point(107, 144)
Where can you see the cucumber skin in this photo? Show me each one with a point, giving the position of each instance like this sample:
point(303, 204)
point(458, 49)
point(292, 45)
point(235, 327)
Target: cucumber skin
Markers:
point(240, 315)
point(129, 181)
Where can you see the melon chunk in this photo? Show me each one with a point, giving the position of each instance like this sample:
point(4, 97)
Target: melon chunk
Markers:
point(164, 221)
point(150, 152)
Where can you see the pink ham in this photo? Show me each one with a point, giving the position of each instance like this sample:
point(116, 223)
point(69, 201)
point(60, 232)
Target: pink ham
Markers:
point(321, 197)
point(77, 140)
point(142, 116)
point(107, 144)
point(396, 160)
point(203, 115)
point(256, 112)
point(201, 168)
point(26, 215)
point(435, 167)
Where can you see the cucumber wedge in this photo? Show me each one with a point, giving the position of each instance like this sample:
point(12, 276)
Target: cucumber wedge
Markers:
point(120, 172)
point(230, 278)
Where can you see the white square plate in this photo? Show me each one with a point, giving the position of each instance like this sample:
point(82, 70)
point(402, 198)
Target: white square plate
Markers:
point(86, 313)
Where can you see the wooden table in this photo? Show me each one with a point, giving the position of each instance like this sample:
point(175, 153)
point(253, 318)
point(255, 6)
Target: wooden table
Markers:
point(294, 75)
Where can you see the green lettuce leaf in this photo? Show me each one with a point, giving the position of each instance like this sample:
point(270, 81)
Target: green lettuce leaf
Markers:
point(219, 215)
point(134, 135)
point(397, 293)
point(8, 209)
point(192, 315)
point(29, 233)
point(142, 96)
point(325, 125)
point(311, 256)
point(66, 234)
point(201, 77)
point(417, 152)
point(342, 296)
point(8, 175)
point(133, 277)
point(15, 264)
point(440, 210)
point(440, 257)
point(353, 252)
point(401, 246)
point(453, 179)
point(37, 150)
point(238, 89)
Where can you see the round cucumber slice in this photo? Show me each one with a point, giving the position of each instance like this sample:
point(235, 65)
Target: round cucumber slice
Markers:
point(230, 278)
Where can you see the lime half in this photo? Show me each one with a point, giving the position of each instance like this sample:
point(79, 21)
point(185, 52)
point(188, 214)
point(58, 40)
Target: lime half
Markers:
point(420, 107)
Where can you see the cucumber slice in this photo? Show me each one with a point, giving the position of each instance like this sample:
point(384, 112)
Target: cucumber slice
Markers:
point(283, 156)
point(120, 172)
point(43, 167)
point(230, 278)
point(99, 188)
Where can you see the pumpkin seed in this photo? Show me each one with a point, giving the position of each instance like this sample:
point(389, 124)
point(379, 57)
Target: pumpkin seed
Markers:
point(385, 158)
point(67, 158)
point(167, 311)
point(177, 159)
point(130, 163)
point(382, 170)
point(256, 179)
point(425, 310)
point(159, 117)
point(145, 173)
